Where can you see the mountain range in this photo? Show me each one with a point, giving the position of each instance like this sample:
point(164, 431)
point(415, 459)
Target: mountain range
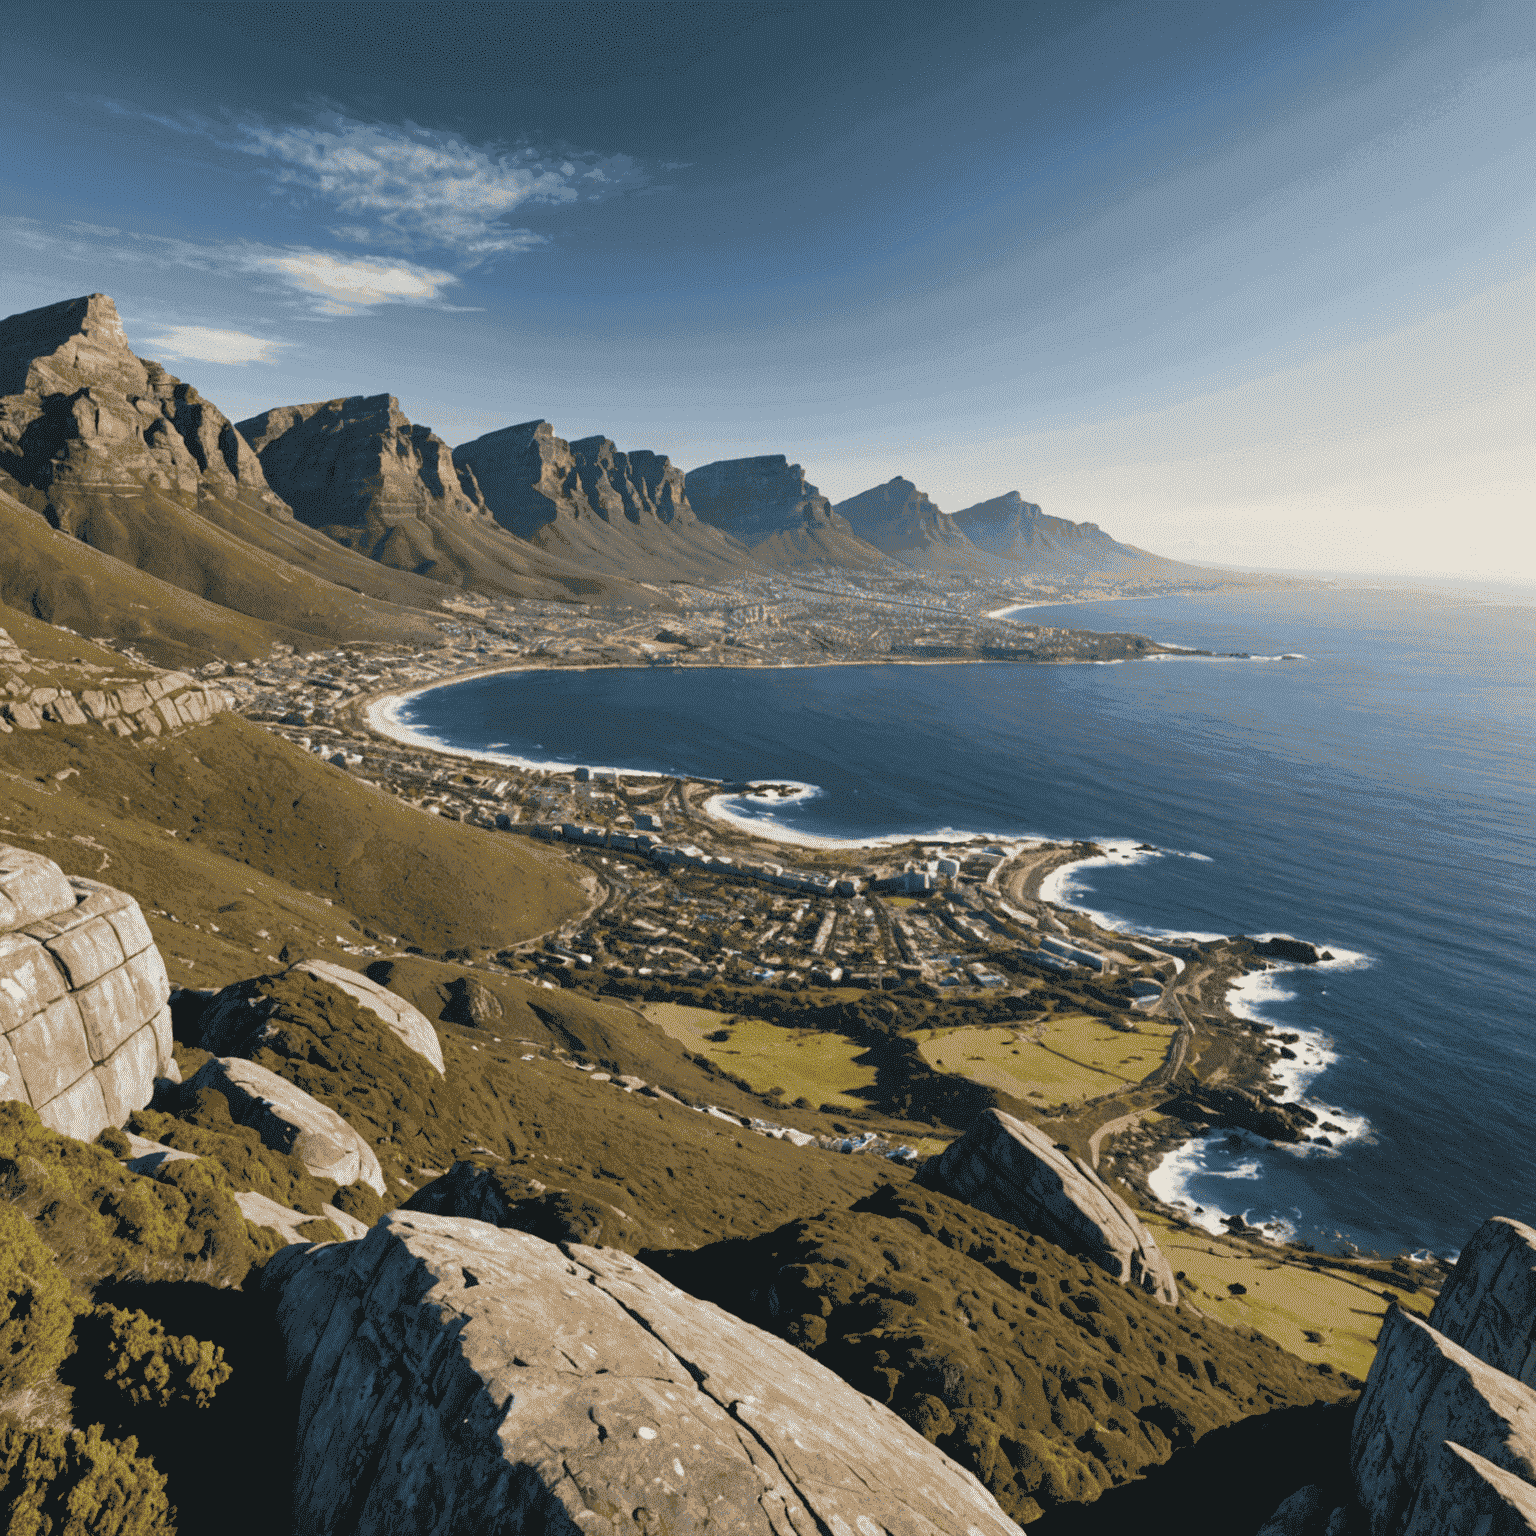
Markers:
point(344, 519)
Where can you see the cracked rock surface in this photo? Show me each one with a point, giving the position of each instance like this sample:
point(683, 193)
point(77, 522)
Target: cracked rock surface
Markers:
point(461, 1378)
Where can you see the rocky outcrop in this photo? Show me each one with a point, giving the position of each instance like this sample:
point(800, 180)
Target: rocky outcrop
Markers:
point(360, 472)
point(1488, 1305)
point(294, 1226)
point(79, 409)
point(407, 1022)
point(461, 1379)
point(472, 1004)
point(769, 505)
point(1204, 1107)
point(289, 1120)
point(235, 1020)
point(84, 1025)
point(149, 706)
point(1440, 1434)
point(594, 506)
point(1010, 1170)
point(900, 520)
point(116, 452)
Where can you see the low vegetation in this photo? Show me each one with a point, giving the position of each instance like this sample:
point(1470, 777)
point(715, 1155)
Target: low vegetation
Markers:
point(1037, 1371)
point(79, 1484)
point(153, 1368)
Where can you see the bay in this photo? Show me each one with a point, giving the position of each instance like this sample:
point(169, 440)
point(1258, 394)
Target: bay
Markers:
point(1375, 798)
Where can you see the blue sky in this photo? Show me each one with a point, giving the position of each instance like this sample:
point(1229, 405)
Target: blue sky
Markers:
point(1245, 283)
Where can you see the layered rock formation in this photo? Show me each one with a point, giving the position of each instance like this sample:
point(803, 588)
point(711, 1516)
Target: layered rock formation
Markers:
point(169, 702)
point(598, 508)
point(900, 520)
point(126, 458)
point(459, 1378)
point(1010, 1170)
point(769, 505)
point(1444, 1444)
point(235, 1021)
point(1488, 1305)
point(359, 471)
point(84, 1026)
point(289, 1120)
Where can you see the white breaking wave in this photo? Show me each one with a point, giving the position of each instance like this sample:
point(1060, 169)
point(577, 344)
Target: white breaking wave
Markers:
point(1063, 887)
point(1172, 1180)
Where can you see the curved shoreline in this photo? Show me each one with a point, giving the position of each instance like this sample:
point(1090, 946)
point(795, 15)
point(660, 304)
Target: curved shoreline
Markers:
point(1043, 879)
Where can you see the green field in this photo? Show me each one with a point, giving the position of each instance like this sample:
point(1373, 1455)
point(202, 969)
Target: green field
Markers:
point(1285, 1299)
point(809, 1064)
point(1077, 1057)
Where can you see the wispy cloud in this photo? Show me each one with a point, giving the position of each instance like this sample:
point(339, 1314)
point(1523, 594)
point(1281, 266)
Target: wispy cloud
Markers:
point(343, 285)
point(412, 187)
point(332, 283)
point(208, 345)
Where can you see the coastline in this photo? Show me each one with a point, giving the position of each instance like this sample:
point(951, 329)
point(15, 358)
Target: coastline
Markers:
point(1048, 868)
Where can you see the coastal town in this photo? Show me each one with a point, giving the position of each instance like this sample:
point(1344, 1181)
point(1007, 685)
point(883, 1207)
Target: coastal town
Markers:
point(687, 900)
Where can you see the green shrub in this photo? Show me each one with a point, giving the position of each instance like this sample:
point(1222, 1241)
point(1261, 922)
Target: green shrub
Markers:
point(100, 1221)
point(359, 1201)
point(320, 1230)
point(153, 1368)
point(234, 1154)
point(37, 1308)
point(53, 1484)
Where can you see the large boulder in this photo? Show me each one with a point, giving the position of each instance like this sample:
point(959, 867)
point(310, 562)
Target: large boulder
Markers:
point(463, 1379)
point(289, 1120)
point(84, 1026)
point(234, 1023)
point(1424, 1395)
point(1488, 1305)
point(1012, 1171)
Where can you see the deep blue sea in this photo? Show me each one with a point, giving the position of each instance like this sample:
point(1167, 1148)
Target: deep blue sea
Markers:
point(1375, 798)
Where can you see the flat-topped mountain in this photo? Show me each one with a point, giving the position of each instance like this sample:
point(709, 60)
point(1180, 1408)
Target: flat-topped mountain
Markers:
point(769, 505)
point(590, 504)
point(1011, 528)
point(116, 452)
point(900, 520)
point(360, 472)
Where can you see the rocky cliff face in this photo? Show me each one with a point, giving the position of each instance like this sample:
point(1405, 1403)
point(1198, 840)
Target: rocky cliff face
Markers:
point(590, 504)
point(900, 520)
point(360, 472)
point(1428, 1401)
point(769, 505)
point(1010, 528)
point(84, 1026)
point(1444, 1440)
point(79, 411)
point(1009, 1169)
point(120, 455)
point(459, 1378)
point(1488, 1306)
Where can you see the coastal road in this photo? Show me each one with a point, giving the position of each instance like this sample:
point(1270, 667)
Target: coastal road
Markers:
point(1111, 1128)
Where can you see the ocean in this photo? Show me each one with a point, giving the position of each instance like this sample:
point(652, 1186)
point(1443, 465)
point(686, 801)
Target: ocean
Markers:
point(1374, 797)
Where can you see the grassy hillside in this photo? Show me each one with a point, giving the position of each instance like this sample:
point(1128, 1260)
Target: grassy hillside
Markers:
point(57, 579)
point(240, 558)
point(237, 843)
